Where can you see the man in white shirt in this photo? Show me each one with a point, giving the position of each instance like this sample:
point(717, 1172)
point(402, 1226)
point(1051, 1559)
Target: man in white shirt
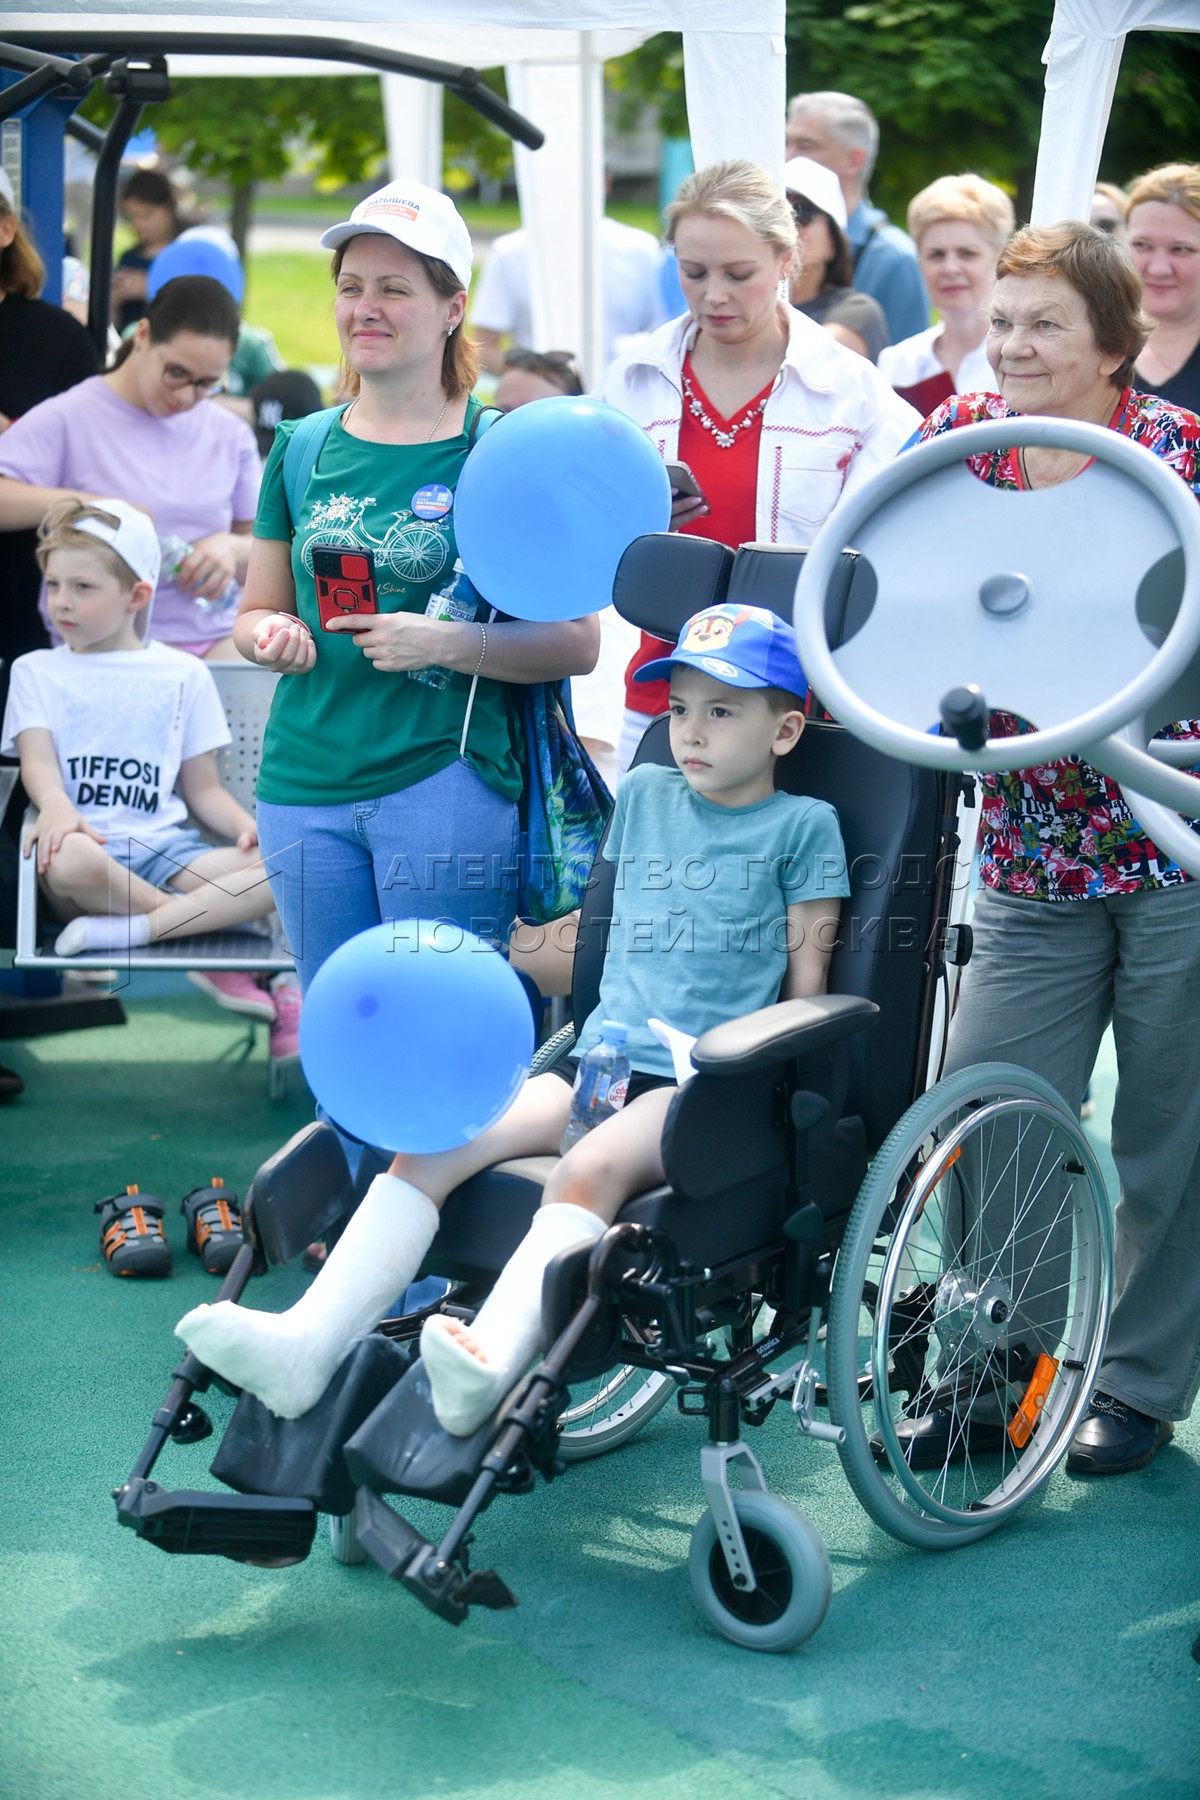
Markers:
point(629, 264)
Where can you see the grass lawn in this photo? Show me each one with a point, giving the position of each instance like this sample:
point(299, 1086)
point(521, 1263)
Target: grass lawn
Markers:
point(292, 295)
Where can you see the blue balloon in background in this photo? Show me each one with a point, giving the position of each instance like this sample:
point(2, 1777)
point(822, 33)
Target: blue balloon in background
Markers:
point(548, 502)
point(416, 1036)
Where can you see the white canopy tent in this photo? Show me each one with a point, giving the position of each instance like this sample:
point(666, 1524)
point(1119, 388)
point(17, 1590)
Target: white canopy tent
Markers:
point(1082, 58)
point(553, 54)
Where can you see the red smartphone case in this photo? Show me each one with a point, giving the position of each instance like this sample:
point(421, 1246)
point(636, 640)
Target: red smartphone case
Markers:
point(345, 584)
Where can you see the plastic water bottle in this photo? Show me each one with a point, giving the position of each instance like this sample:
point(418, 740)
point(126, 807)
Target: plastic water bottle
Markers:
point(175, 552)
point(458, 602)
point(601, 1084)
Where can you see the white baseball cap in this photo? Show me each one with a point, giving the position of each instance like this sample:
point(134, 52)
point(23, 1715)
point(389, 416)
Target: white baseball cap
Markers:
point(816, 183)
point(133, 537)
point(418, 216)
point(6, 191)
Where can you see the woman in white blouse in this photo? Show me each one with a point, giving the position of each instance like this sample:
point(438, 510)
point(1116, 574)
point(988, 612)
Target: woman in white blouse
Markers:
point(960, 223)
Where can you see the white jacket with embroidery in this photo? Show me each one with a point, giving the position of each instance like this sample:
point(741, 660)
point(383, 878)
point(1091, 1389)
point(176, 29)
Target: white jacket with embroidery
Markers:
point(830, 422)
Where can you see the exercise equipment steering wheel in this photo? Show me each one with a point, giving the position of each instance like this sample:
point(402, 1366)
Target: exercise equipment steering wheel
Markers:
point(1025, 603)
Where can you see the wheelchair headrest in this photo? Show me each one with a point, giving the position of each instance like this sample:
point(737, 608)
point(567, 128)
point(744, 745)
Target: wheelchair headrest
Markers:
point(666, 576)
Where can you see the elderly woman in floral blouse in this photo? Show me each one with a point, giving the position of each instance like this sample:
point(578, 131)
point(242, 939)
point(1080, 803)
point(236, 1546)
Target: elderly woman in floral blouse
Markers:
point(1082, 921)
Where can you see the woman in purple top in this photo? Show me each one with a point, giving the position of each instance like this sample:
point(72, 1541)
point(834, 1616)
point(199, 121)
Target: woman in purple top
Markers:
point(144, 432)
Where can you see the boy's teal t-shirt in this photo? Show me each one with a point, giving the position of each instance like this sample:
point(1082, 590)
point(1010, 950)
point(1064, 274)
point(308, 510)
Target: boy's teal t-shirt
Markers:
point(699, 927)
point(345, 730)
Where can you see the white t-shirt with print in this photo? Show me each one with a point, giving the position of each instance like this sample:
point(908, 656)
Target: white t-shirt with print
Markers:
point(122, 722)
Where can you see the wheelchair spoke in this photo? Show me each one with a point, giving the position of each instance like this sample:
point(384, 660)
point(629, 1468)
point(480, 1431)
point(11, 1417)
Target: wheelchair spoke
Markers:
point(974, 1281)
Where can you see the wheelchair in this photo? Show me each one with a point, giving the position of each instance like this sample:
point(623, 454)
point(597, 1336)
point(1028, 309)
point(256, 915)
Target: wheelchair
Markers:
point(832, 1241)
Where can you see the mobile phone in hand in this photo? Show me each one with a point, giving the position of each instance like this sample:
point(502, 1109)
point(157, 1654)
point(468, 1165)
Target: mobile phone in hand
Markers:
point(345, 583)
point(684, 485)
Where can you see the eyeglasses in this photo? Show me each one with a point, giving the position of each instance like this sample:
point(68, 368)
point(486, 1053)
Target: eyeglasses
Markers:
point(553, 365)
point(174, 376)
point(1108, 225)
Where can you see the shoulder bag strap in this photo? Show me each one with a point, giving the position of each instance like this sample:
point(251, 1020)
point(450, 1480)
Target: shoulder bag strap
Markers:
point(300, 457)
point(485, 418)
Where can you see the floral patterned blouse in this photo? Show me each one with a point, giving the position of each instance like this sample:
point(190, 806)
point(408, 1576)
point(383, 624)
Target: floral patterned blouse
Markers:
point(1063, 831)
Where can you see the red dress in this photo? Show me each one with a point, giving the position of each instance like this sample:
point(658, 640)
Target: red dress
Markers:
point(728, 479)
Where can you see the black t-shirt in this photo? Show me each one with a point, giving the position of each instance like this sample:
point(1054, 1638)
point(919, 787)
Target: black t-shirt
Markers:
point(43, 351)
point(1183, 387)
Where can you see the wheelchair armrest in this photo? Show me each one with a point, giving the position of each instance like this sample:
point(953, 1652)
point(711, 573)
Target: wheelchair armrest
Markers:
point(776, 1033)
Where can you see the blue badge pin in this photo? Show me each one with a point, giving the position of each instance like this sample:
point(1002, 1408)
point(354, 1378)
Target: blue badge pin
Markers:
point(432, 502)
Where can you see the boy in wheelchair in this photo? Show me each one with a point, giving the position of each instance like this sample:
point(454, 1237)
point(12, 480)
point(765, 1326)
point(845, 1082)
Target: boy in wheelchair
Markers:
point(727, 898)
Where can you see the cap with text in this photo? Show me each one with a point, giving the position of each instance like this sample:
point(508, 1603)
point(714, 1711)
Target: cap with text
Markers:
point(418, 216)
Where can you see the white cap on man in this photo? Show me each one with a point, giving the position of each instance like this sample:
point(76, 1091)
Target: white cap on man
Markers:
point(814, 182)
point(418, 216)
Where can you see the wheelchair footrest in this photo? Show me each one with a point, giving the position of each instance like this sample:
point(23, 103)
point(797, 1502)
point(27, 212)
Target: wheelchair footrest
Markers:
point(401, 1448)
point(270, 1532)
point(448, 1589)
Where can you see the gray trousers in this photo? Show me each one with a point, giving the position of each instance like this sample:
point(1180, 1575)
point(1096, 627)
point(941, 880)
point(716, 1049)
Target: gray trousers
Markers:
point(1044, 982)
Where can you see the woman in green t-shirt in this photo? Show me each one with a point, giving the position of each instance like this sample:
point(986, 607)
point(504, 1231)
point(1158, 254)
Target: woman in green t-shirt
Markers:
point(390, 779)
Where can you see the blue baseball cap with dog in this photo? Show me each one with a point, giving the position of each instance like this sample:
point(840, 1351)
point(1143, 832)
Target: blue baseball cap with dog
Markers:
point(743, 646)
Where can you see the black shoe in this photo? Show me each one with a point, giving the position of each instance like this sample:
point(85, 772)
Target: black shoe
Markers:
point(10, 1083)
point(1115, 1439)
point(940, 1435)
point(214, 1225)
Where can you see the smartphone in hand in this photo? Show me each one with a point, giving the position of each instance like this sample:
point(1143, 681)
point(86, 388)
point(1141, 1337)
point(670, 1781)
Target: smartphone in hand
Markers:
point(684, 485)
point(345, 584)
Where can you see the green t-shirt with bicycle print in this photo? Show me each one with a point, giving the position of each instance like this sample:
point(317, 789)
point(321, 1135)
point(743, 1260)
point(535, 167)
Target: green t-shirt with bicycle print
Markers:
point(345, 730)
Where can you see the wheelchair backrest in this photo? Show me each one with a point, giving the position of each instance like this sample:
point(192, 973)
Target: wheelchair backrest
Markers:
point(891, 815)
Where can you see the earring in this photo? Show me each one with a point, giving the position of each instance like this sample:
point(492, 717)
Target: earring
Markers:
point(450, 331)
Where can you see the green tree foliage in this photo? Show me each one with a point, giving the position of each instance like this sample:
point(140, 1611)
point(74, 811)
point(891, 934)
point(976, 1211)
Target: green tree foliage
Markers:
point(955, 84)
point(242, 130)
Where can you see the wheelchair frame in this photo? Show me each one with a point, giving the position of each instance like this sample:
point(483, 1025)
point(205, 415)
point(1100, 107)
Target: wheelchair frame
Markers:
point(912, 1254)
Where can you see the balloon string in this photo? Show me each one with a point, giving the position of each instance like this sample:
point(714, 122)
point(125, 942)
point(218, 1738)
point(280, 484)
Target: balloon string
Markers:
point(462, 742)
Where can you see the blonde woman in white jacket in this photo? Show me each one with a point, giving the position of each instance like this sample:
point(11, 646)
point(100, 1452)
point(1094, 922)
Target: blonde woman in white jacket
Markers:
point(775, 419)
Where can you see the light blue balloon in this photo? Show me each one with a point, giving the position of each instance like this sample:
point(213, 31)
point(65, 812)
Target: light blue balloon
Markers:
point(548, 502)
point(416, 1036)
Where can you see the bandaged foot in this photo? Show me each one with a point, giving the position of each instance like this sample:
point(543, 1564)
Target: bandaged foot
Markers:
point(471, 1368)
point(103, 931)
point(288, 1359)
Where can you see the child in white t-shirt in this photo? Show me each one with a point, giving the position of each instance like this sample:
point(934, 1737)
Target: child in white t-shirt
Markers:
point(118, 739)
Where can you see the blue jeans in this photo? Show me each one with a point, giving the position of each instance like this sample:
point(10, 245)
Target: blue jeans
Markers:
point(443, 849)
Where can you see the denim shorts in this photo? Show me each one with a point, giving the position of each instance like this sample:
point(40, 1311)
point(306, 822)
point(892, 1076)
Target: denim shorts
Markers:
point(171, 852)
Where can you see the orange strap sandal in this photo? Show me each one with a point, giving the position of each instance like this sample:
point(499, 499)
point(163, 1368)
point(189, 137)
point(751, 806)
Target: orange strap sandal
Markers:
point(214, 1225)
point(131, 1234)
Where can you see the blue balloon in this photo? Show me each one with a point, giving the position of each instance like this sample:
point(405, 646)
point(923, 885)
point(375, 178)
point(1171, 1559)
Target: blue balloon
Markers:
point(416, 1036)
point(548, 502)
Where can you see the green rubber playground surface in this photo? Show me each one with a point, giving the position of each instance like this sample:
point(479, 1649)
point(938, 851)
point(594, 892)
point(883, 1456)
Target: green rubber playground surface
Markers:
point(1049, 1661)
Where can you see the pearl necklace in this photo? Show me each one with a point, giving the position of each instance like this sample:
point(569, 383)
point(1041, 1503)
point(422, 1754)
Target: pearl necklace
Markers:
point(724, 438)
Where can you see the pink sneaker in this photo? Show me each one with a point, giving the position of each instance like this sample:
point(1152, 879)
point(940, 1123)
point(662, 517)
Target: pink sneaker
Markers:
point(285, 1033)
point(237, 991)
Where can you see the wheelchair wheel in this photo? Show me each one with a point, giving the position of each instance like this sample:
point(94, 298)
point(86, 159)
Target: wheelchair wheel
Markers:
point(973, 1285)
point(343, 1539)
point(791, 1567)
point(608, 1412)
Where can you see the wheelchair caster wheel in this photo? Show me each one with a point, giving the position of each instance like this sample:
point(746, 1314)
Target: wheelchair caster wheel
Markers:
point(343, 1539)
point(791, 1568)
